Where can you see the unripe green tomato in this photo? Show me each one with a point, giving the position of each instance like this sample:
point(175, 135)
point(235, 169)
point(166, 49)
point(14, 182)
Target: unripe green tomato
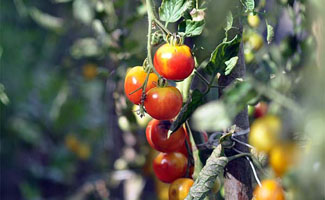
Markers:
point(141, 121)
point(253, 20)
point(255, 41)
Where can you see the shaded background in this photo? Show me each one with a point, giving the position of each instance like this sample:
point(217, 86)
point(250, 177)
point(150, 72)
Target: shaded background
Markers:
point(67, 130)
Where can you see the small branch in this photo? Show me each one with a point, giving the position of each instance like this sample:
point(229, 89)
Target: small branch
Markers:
point(201, 77)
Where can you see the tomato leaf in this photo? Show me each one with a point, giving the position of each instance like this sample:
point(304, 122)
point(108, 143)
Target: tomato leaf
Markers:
point(172, 10)
point(270, 32)
point(215, 117)
point(191, 28)
point(223, 52)
point(195, 101)
point(249, 5)
point(231, 63)
point(229, 22)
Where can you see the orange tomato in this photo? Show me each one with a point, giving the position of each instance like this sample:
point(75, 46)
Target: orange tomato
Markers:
point(270, 190)
point(179, 189)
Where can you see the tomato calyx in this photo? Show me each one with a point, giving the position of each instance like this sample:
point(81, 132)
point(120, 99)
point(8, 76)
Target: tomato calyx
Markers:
point(162, 82)
point(174, 39)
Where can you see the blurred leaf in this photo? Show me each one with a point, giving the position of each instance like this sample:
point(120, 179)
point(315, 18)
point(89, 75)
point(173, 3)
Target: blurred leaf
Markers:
point(270, 32)
point(191, 28)
point(249, 5)
point(187, 110)
point(26, 130)
point(62, 1)
point(172, 10)
point(231, 63)
point(229, 22)
point(86, 47)
point(83, 10)
point(221, 54)
point(58, 102)
point(211, 117)
point(29, 191)
point(45, 20)
point(3, 96)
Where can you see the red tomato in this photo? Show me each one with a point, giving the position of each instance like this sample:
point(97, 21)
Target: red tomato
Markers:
point(134, 79)
point(174, 62)
point(157, 131)
point(163, 103)
point(179, 189)
point(170, 166)
point(260, 109)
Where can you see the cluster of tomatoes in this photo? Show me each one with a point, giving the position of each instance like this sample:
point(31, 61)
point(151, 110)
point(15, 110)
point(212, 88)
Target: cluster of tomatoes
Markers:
point(163, 103)
point(265, 136)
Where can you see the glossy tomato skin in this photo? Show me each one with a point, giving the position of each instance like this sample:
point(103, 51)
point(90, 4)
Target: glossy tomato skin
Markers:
point(163, 103)
point(134, 79)
point(157, 132)
point(174, 62)
point(170, 166)
point(179, 189)
point(270, 190)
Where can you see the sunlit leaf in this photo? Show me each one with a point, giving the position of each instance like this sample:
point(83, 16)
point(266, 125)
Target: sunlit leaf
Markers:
point(191, 28)
point(229, 22)
point(231, 63)
point(270, 33)
point(172, 10)
point(45, 20)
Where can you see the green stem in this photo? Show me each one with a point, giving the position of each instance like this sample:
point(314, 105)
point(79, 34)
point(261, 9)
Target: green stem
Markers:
point(238, 156)
point(161, 26)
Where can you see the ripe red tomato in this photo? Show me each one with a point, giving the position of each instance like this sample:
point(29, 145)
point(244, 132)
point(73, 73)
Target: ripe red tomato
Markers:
point(156, 133)
point(163, 103)
point(174, 62)
point(170, 166)
point(270, 190)
point(260, 109)
point(134, 79)
point(179, 189)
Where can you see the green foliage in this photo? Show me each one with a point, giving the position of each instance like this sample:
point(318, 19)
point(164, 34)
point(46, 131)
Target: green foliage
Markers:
point(173, 10)
point(193, 102)
point(249, 5)
point(270, 32)
point(190, 28)
point(3, 96)
point(231, 63)
point(223, 52)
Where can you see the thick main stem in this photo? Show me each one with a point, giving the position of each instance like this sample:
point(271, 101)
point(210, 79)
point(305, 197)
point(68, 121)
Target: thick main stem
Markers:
point(238, 185)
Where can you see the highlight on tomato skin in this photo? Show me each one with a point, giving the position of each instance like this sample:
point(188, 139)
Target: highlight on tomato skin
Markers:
point(163, 103)
point(174, 62)
point(270, 190)
point(134, 79)
point(170, 166)
point(179, 189)
point(157, 132)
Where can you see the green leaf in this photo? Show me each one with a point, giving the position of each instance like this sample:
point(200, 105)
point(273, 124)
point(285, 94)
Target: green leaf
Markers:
point(83, 10)
point(45, 20)
point(172, 10)
point(270, 32)
point(229, 22)
point(191, 28)
point(195, 101)
point(215, 117)
point(3, 96)
point(249, 5)
point(223, 52)
point(208, 175)
point(231, 63)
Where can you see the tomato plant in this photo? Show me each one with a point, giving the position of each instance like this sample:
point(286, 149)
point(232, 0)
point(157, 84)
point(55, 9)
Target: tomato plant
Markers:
point(134, 79)
point(179, 189)
point(163, 103)
point(170, 166)
point(173, 61)
point(157, 131)
point(270, 190)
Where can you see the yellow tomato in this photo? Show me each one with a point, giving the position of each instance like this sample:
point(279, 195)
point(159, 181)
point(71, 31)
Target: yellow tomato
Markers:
point(83, 151)
point(179, 189)
point(253, 20)
point(71, 142)
point(270, 190)
point(282, 157)
point(161, 189)
point(249, 55)
point(265, 132)
point(89, 71)
point(255, 41)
